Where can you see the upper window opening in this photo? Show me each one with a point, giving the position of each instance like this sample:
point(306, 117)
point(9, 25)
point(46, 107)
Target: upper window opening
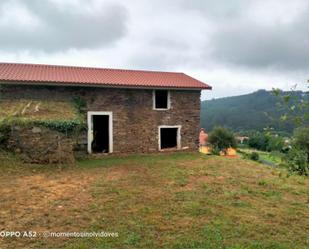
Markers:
point(161, 98)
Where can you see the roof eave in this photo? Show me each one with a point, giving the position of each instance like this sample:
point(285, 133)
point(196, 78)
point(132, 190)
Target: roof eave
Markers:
point(75, 84)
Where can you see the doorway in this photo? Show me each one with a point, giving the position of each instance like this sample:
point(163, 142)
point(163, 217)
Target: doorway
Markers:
point(100, 132)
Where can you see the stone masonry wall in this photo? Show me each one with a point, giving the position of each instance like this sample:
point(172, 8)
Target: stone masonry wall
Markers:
point(41, 145)
point(135, 123)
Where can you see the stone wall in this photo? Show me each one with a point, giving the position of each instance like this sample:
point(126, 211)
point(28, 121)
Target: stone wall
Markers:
point(40, 145)
point(135, 123)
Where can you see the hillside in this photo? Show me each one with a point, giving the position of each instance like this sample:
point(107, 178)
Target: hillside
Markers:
point(253, 111)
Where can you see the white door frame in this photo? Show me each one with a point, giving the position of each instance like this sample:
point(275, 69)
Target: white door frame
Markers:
point(178, 135)
point(90, 129)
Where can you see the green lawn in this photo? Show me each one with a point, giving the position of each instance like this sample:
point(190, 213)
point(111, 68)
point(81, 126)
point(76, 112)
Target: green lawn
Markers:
point(274, 158)
point(182, 200)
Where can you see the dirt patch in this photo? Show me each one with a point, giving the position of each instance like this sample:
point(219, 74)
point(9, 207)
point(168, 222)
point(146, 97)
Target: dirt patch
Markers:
point(221, 178)
point(195, 181)
point(117, 174)
point(38, 202)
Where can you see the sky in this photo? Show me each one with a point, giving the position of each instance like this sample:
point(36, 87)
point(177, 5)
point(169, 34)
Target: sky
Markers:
point(237, 46)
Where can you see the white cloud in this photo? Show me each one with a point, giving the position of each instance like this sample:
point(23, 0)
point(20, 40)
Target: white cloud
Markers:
point(45, 26)
point(237, 46)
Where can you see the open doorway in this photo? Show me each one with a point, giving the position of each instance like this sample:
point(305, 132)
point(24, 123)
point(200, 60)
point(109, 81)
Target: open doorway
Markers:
point(99, 132)
point(169, 137)
point(100, 142)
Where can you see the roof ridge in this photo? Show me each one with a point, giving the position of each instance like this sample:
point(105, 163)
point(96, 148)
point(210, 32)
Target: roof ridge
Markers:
point(91, 68)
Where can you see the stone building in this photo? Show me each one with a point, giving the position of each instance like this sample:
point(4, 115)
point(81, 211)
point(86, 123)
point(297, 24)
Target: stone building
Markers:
point(126, 111)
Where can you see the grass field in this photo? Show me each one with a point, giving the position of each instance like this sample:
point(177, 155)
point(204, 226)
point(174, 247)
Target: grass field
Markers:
point(179, 201)
point(274, 158)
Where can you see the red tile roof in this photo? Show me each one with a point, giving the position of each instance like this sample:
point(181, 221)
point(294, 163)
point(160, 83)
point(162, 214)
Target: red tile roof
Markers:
point(68, 75)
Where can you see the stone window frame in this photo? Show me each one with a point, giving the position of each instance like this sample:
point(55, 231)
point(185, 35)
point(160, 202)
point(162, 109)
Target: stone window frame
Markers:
point(154, 100)
point(178, 135)
point(90, 130)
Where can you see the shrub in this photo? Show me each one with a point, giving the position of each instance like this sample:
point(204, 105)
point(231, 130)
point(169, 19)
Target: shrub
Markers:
point(64, 126)
point(266, 142)
point(301, 139)
point(297, 159)
point(215, 151)
point(221, 139)
point(254, 156)
point(67, 127)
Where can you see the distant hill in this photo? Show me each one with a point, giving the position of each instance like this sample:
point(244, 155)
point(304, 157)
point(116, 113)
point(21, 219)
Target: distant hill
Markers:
point(253, 111)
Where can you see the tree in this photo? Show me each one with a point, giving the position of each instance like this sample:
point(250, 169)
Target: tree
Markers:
point(301, 136)
point(297, 161)
point(294, 110)
point(221, 139)
point(275, 143)
point(259, 141)
point(297, 158)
